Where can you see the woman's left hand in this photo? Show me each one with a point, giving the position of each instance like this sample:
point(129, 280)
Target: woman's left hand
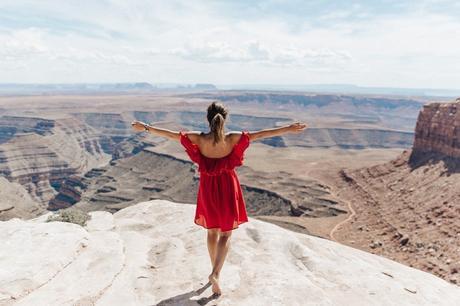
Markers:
point(138, 126)
point(297, 127)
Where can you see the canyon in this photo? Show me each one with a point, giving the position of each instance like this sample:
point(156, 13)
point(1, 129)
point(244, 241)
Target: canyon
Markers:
point(39, 153)
point(344, 179)
point(408, 209)
point(48, 144)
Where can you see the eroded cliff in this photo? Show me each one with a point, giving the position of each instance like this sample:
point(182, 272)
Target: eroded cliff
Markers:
point(408, 209)
point(40, 153)
point(437, 134)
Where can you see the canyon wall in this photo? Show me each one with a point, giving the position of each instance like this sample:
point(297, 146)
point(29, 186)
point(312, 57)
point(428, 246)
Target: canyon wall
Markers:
point(40, 153)
point(408, 209)
point(49, 144)
point(437, 133)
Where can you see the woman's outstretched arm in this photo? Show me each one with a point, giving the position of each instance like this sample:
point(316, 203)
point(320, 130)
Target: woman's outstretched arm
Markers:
point(141, 126)
point(291, 128)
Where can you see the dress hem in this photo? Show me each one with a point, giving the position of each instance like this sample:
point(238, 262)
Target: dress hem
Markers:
point(238, 225)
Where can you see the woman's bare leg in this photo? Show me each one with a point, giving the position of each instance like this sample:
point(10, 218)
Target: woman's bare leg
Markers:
point(213, 235)
point(223, 246)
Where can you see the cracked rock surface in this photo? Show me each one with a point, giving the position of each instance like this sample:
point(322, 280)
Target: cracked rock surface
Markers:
point(153, 254)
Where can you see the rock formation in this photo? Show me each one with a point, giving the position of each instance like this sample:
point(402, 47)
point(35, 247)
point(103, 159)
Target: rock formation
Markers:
point(437, 133)
point(408, 209)
point(153, 254)
point(70, 191)
point(39, 153)
point(50, 139)
point(149, 175)
point(15, 201)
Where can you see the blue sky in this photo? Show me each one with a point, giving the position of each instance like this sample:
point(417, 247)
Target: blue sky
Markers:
point(368, 43)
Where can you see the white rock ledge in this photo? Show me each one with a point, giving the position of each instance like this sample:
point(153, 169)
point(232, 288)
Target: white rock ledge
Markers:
point(152, 253)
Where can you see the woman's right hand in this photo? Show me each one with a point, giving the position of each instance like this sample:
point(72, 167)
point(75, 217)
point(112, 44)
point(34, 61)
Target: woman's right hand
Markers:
point(296, 127)
point(138, 126)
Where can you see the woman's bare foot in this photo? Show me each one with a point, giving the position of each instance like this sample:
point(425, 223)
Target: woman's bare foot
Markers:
point(215, 284)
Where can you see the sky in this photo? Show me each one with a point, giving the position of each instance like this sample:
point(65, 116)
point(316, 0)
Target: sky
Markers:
point(411, 44)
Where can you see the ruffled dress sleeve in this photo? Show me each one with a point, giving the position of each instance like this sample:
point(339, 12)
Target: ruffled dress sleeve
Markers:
point(240, 148)
point(191, 149)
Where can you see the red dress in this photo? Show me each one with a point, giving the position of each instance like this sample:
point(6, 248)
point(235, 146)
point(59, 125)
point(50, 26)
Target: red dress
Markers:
point(220, 202)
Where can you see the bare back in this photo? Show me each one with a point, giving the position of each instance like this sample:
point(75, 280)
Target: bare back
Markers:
point(207, 147)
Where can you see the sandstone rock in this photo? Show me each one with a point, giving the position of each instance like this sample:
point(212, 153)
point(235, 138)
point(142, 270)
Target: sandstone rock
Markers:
point(15, 201)
point(438, 131)
point(153, 253)
point(44, 152)
point(418, 193)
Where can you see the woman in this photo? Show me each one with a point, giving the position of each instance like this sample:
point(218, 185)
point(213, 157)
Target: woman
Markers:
point(220, 203)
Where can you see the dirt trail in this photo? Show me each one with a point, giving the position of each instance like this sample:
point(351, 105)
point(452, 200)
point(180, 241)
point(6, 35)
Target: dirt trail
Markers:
point(336, 227)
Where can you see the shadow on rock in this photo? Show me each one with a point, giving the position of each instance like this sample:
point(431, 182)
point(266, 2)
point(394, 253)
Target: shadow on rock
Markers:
point(419, 159)
point(184, 299)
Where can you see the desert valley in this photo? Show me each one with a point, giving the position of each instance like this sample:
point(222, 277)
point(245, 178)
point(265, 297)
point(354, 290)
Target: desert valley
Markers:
point(377, 173)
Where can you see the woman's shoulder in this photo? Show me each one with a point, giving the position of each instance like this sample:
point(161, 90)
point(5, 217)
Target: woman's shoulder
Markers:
point(236, 136)
point(233, 137)
point(193, 136)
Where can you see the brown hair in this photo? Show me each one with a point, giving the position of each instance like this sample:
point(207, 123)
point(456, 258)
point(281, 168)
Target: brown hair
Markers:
point(217, 114)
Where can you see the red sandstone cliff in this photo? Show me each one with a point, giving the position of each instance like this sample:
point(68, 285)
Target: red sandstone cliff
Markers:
point(408, 209)
point(438, 131)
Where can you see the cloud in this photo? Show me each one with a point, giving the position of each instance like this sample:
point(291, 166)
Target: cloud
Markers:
point(389, 43)
point(91, 57)
point(209, 52)
point(256, 52)
point(21, 44)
